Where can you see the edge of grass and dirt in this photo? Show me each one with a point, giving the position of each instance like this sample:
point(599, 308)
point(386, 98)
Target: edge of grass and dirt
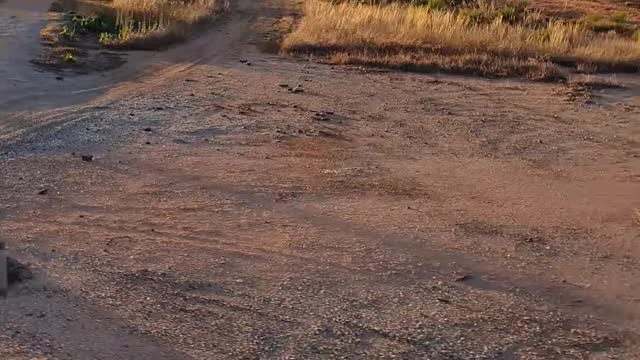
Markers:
point(84, 35)
point(482, 39)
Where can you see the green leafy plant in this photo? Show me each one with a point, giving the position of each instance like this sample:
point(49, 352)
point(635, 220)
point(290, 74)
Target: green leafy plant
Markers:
point(106, 39)
point(95, 25)
point(68, 32)
point(69, 58)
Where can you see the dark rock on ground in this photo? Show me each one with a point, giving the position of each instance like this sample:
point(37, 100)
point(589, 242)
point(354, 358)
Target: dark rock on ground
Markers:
point(17, 272)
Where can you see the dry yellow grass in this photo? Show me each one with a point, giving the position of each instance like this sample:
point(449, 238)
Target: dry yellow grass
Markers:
point(400, 35)
point(164, 12)
point(150, 24)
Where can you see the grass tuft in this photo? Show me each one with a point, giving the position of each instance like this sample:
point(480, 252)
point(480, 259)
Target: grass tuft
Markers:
point(69, 58)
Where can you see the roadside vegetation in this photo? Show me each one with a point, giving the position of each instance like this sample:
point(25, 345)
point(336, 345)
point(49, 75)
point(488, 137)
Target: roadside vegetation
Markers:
point(79, 27)
point(477, 37)
point(135, 24)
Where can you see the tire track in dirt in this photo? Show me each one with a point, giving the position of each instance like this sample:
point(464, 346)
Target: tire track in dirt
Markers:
point(256, 199)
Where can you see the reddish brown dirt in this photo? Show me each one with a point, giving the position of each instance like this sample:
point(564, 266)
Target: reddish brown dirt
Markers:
point(374, 215)
point(580, 8)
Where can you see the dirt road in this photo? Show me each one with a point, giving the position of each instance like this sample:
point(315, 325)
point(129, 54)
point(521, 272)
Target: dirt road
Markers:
point(372, 215)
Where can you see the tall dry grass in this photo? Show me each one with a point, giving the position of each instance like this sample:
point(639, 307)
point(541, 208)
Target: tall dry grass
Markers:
point(351, 32)
point(164, 12)
point(149, 24)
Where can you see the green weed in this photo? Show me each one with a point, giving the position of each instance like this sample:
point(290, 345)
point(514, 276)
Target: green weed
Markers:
point(68, 32)
point(106, 39)
point(94, 25)
point(69, 58)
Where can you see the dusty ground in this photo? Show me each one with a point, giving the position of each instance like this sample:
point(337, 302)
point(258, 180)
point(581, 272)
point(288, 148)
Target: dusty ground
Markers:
point(580, 8)
point(373, 215)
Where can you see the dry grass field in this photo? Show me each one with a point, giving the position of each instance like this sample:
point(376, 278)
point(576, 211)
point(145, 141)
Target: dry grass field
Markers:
point(484, 38)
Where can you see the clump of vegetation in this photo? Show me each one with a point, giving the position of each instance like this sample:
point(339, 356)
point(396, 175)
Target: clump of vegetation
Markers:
point(82, 25)
point(68, 32)
point(90, 24)
point(486, 12)
point(481, 39)
point(128, 24)
point(145, 24)
point(508, 14)
point(69, 58)
point(106, 39)
point(598, 23)
point(438, 4)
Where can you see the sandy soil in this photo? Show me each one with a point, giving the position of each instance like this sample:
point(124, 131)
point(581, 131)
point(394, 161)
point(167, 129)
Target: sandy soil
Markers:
point(373, 215)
